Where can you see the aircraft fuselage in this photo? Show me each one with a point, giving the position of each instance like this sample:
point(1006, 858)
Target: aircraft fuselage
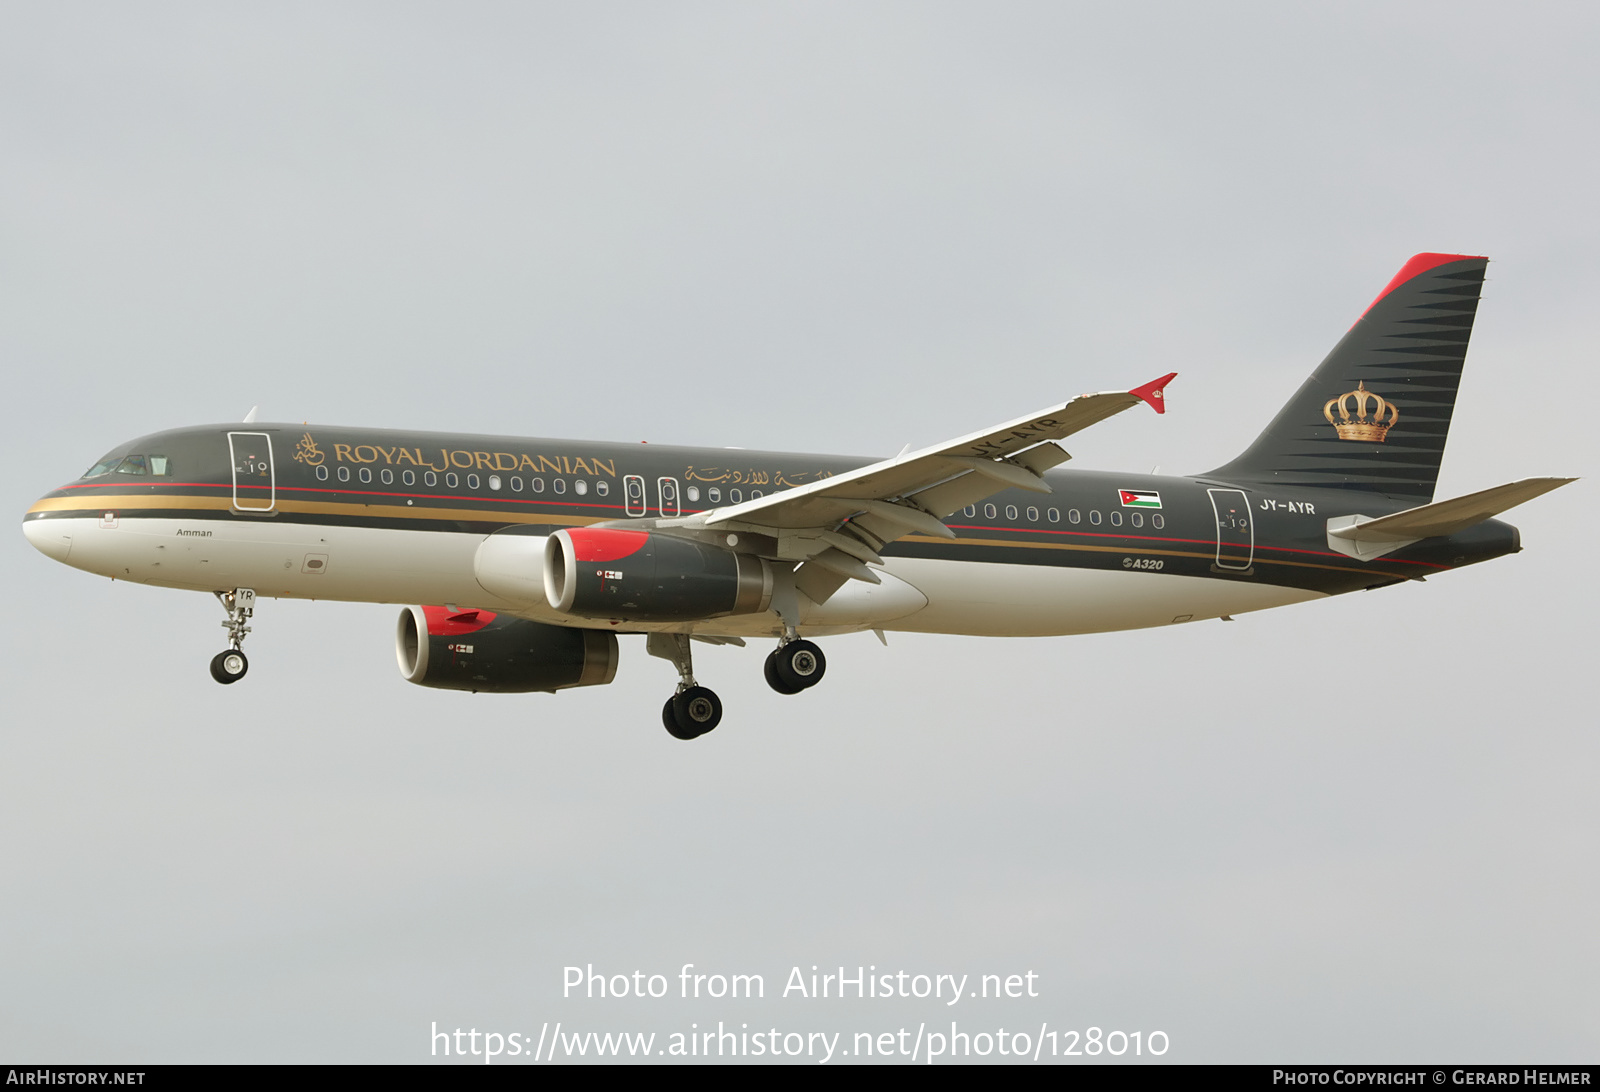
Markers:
point(398, 517)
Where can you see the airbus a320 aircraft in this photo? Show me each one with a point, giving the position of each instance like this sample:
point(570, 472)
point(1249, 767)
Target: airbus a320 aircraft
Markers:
point(541, 552)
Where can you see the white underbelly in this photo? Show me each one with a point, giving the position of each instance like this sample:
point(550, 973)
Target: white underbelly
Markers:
point(987, 599)
point(280, 559)
point(294, 560)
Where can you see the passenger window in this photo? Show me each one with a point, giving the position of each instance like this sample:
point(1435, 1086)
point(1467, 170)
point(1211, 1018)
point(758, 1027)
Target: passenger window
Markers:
point(387, 475)
point(1157, 522)
point(366, 475)
point(494, 481)
point(1033, 515)
point(536, 484)
point(1011, 511)
point(409, 477)
point(580, 487)
point(431, 478)
point(1054, 514)
point(970, 511)
point(472, 481)
point(322, 473)
point(452, 480)
point(344, 473)
point(1136, 518)
point(714, 495)
point(1072, 515)
point(692, 492)
point(1116, 518)
point(735, 496)
point(560, 485)
point(1094, 518)
point(754, 493)
point(989, 511)
point(516, 485)
point(602, 488)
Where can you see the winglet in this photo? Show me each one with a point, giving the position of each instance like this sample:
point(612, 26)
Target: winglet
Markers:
point(1150, 393)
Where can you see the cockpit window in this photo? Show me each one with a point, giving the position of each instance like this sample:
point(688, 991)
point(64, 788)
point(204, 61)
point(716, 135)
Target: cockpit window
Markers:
point(130, 464)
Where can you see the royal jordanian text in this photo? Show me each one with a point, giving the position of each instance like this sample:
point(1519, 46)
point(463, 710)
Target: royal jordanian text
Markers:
point(473, 460)
point(851, 983)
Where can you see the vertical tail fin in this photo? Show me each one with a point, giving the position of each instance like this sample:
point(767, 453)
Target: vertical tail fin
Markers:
point(1374, 415)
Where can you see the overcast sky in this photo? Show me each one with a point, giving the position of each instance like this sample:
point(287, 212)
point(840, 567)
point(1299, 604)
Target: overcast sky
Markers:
point(1359, 829)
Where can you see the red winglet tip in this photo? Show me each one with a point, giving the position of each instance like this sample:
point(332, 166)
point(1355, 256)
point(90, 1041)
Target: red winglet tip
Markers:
point(1150, 394)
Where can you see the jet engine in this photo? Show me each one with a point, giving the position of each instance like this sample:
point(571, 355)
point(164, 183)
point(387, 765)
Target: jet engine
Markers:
point(644, 576)
point(479, 650)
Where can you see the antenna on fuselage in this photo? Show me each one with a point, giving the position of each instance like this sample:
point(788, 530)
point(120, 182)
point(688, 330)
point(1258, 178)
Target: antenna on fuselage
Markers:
point(250, 418)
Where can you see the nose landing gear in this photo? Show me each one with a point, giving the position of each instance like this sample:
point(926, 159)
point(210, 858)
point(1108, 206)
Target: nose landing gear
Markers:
point(693, 710)
point(229, 665)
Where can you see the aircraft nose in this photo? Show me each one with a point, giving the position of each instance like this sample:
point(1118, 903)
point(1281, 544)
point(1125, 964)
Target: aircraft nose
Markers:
point(49, 536)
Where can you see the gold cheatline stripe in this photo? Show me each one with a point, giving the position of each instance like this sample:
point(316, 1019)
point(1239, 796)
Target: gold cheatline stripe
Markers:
point(1207, 555)
point(339, 508)
point(480, 515)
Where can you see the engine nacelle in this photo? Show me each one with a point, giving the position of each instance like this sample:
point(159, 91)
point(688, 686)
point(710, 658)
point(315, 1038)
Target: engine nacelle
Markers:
point(479, 650)
point(643, 576)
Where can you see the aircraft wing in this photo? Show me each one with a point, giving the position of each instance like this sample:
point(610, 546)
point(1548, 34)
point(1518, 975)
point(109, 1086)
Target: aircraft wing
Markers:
point(912, 492)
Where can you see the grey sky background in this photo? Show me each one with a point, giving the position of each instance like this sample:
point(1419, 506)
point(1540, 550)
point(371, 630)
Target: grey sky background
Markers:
point(1363, 828)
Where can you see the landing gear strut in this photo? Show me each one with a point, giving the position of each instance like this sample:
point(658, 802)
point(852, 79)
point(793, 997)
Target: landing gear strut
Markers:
point(794, 666)
point(229, 665)
point(693, 710)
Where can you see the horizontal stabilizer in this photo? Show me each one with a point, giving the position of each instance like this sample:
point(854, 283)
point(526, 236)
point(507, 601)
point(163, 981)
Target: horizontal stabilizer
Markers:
point(1365, 538)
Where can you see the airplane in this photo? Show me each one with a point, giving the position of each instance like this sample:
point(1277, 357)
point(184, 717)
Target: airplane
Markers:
point(536, 554)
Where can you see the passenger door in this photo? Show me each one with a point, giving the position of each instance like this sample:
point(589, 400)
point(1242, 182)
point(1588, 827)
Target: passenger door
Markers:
point(254, 477)
point(1236, 529)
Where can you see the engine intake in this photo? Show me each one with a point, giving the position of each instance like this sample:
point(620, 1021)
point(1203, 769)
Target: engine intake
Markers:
point(643, 576)
point(479, 650)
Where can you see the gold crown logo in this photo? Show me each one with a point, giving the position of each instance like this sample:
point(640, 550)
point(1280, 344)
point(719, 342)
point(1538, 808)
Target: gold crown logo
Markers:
point(1355, 422)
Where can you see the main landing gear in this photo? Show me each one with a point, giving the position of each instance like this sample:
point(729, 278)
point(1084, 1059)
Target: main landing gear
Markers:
point(694, 710)
point(229, 665)
point(795, 665)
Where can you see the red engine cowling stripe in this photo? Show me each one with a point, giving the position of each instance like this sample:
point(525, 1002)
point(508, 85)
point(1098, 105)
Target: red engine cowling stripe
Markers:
point(605, 544)
point(443, 622)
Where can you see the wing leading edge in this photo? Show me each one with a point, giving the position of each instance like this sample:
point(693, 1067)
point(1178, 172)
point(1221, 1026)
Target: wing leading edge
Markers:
point(841, 522)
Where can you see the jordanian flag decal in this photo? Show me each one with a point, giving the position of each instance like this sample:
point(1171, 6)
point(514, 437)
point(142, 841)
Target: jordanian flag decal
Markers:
point(1133, 498)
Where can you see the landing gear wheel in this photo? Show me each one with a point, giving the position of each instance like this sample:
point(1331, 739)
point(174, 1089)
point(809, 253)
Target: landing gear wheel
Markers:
point(229, 667)
point(670, 722)
point(799, 664)
point(692, 713)
point(770, 670)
